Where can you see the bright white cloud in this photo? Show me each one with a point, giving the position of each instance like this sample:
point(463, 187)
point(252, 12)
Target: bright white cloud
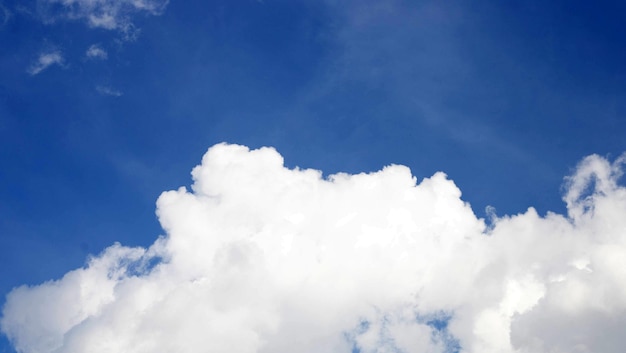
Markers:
point(95, 51)
point(108, 91)
point(261, 258)
point(45, 60)
point(107, 14)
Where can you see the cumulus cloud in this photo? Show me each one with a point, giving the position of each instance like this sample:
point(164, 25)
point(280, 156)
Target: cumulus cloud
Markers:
point(108, 91)
point(45, 60)
point(257, 257)
point(106, 14)
point(95, 51)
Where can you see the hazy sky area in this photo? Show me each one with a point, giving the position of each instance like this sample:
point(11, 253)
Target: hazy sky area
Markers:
point(406, 142)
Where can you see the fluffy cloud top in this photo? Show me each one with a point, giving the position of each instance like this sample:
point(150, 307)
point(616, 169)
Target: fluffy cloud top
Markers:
point(45, 60)
point(261, 258)
point(107, 14)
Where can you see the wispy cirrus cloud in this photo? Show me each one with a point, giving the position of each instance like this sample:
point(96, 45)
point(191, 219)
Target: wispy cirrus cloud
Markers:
point(261, 258)
point(108, 91)
point(105, 14)
point(5, 15)
point(45, 60)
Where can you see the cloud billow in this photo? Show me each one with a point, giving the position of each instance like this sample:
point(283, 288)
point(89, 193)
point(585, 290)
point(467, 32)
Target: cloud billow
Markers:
point(261, 258)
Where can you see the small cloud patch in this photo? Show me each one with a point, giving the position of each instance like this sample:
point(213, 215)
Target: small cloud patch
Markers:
point(45, 60)
point(108, 91)
point(96, 52)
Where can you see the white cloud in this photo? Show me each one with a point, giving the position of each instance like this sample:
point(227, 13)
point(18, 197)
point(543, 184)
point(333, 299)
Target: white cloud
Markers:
point(95, 51)
point(45, 60)
point(106, 14)
point(261, 258)
point(108, 91)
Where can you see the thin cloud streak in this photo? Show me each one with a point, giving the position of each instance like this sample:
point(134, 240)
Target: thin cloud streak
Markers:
point(45, 60)
point(108, 91)
point(5, 15)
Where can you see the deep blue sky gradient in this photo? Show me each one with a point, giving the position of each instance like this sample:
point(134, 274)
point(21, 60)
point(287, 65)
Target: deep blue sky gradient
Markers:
point(505, 97)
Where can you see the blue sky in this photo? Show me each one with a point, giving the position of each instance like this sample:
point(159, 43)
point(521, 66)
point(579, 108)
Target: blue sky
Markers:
point(505, 98)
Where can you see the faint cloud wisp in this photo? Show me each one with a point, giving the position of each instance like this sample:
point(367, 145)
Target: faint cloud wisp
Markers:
point(5, 15)
point(105, 14)
point(108, 91)
point(45, 60)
